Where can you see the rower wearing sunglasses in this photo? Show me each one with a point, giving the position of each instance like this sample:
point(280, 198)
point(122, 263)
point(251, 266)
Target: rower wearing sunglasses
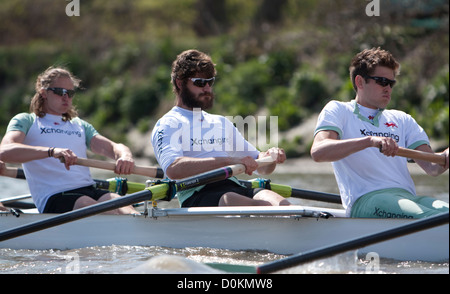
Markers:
point(52, 131)
point(188, 140)
point(374, 182)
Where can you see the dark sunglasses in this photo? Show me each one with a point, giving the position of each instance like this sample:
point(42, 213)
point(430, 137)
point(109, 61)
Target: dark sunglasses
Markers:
point(202, 82)
point(62, 92)
point(382, 81)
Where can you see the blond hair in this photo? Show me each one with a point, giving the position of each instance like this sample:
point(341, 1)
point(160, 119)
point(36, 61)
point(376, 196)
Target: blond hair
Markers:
point(44, 80)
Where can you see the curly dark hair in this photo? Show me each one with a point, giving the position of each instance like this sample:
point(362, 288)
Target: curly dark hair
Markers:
point(188, 64)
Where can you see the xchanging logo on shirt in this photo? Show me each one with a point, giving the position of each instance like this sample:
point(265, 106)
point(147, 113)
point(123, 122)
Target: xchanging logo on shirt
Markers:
point(365, 132)
point(212, 141)
point(59, 131)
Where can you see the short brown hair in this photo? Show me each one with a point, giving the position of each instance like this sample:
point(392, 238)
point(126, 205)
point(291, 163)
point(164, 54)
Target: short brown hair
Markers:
point(365, 62)
point(188, 64)
point(43, 81)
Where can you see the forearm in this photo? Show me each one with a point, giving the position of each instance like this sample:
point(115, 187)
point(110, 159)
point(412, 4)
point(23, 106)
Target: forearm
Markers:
point(103, 146)
point(121, 151)
point(329, 150)
point(20, 153)
point(433, 169)
point(184, 167)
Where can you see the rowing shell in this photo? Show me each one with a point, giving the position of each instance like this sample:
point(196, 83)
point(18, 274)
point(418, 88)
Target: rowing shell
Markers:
point(281, 230)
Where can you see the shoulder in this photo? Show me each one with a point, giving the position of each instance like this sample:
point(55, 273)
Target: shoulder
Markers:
point(81, 122)
point(337, 108)
point(89, 129)
point(398, 115)
point(341, 105)
point(172, 119)
point(217, 118)
point(24, 116)
point(21, 122)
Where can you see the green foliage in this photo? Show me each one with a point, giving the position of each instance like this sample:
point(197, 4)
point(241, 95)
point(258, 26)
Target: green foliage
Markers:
point(243, 90)
point(435, 108)
point(286, 60)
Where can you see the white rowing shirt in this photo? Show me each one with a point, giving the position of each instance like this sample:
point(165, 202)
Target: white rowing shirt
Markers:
point(369, 170)
point(197, 134)
point(46, 177)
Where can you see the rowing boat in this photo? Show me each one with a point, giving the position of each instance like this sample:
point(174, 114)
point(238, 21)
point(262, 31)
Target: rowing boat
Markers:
point(281, 230)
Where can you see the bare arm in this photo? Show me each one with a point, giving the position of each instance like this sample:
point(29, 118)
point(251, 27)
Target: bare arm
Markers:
point(432, 169)
point(13, 150)
point(119, 152)
point(184, 167)
point(327, 147)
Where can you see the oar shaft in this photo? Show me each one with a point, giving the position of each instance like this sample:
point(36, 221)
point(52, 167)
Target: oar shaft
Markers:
point(148, 171)
point(287, 191)
point(148, 194)
point(240, 168)
point(317, 196)
point(13, 172)
point(217, 175)
point(153, 193)
point(420, 155)
point(15, 198)
point(295, 260)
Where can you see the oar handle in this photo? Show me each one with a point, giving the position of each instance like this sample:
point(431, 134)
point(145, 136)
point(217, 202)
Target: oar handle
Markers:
point(240, 168)
point(148, 171)
point(421, 155)
point(11, 172)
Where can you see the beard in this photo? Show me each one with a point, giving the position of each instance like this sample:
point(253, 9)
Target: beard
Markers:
point(192, 101)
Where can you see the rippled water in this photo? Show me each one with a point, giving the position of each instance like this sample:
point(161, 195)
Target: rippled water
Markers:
point(125, 259)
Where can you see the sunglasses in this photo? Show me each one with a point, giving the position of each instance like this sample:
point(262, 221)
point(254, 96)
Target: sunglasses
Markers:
point(61, 92)
point(199, 82)
point(382, 81)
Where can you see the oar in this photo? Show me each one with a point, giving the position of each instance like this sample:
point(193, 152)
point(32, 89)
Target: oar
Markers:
point(18, 173)
point(151, 193)
point(287, 191)
point(218, 174)
point(283, 190)
point(421, 155)
point(109, 184)
point(153, 172)
point(148, 171)
point(15, 198)
point(415, 226)
point(14, 172)
point(156, 192)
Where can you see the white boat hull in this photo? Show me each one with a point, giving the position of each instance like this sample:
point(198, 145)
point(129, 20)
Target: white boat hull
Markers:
point(198, 228)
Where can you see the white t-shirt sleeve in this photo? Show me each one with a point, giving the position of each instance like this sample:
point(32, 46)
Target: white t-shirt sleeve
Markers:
point(166, 141)
point(414, 135)
point(331, 118)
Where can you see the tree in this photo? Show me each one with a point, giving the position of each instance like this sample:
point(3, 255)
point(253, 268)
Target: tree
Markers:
point(211, 17)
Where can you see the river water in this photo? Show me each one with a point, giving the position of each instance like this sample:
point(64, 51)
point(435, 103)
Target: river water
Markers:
point(132, 259)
